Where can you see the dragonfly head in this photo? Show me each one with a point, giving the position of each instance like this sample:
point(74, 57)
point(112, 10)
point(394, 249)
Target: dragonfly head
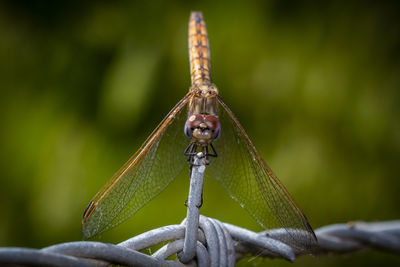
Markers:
point(203, 129)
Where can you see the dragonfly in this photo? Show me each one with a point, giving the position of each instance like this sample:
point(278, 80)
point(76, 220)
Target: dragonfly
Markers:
point(199, 122)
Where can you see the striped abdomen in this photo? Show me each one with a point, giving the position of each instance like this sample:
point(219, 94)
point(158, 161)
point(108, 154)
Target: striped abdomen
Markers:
point(199, 51)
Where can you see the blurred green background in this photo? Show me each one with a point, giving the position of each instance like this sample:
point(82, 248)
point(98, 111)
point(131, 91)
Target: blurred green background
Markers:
point(315, 83)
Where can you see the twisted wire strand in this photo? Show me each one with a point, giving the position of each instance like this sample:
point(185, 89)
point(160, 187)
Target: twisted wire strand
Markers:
point(219, 244)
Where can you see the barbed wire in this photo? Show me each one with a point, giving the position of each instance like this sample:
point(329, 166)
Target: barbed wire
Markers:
point(204, 241)
point(219, 244)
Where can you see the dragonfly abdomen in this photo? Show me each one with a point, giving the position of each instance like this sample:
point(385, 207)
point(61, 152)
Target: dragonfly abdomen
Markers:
point(199, 51)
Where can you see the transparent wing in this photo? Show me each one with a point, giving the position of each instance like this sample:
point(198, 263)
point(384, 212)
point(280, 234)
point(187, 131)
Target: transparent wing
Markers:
point(144, 176)
point(248, 180)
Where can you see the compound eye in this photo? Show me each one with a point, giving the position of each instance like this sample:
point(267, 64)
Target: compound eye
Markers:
point(192, 123)
point(213, 124)
point(216, 134)
point(188, 131)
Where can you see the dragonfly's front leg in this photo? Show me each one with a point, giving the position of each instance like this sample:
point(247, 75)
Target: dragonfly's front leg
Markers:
point(208, 154)
point(190, 151)
point(213, 151)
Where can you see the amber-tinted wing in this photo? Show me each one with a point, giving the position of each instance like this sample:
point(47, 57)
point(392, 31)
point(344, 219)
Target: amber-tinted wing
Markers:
point(248, 180)
point(144, 176)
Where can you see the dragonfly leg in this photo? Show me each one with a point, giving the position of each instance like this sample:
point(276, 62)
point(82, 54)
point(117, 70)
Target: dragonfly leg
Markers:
point(190, 151)
point(191, 155)
point(205, 152)
point(214, 153)
point(188, 148)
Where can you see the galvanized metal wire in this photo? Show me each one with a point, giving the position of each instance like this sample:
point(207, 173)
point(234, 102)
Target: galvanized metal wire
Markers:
point(218, 244)
point(203, 241)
